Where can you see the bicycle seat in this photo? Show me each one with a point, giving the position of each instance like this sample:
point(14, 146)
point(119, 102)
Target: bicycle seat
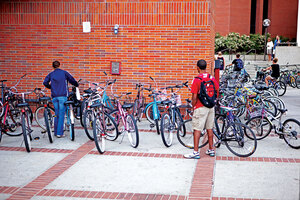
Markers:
point(45, 98)
point(96, 105)
point(89, 91)
point(127, 105)
point(69, 102)
point(282, 110)
point(3, 80)
point(261, 87)
point(22, 104)
point(188, 100)
point(166, 102)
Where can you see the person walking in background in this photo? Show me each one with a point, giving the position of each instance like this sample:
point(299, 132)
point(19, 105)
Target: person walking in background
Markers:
point(238, 63)
point(270, 46)
point(222, 60)
point(203, 117)
point(57, 81)
point(276, 43)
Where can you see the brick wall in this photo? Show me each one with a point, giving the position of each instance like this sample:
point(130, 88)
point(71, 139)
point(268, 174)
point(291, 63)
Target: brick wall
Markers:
point(162, 39)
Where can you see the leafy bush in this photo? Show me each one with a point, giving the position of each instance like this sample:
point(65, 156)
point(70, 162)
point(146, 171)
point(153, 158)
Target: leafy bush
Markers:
point(239, 43)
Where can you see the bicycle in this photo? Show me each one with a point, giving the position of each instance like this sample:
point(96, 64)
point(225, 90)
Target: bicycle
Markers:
point(125, 121)
point(139, 103)
point(103, 124)
point(228, 130)
point(25, 120)
point(289, 130)
point(44, 102)
point(72, 103)
point(172, 118)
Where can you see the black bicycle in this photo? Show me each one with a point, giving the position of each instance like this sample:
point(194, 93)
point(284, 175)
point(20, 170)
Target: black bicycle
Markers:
point(228, 130)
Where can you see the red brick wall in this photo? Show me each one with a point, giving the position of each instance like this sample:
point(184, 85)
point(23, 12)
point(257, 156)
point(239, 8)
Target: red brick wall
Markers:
point(162, 39)
point(233, 16)
point(283, 16)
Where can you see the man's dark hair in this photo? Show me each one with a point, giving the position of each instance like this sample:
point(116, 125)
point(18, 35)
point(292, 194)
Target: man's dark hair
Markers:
point(56, 64)
point(238, 55)
point(201, 64)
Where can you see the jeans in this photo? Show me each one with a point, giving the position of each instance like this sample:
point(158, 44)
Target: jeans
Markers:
point(60, 110)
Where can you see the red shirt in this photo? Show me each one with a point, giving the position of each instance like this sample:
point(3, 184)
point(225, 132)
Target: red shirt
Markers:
point(196, 86)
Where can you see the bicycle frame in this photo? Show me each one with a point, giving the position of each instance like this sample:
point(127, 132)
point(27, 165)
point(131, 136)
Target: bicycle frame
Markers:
point(155, 110)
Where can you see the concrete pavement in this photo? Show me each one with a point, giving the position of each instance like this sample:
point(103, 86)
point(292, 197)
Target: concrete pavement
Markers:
point(75, 170)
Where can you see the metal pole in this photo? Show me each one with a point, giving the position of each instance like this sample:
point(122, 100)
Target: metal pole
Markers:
point(266, 35)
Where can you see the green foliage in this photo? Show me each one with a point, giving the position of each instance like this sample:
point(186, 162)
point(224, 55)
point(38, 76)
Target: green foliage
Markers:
point(239, 43)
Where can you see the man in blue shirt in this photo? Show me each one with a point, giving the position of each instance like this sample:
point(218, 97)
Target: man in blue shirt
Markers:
point(57, 81)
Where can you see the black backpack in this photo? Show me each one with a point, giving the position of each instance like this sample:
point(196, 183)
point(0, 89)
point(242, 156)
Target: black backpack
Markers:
point(207, 100)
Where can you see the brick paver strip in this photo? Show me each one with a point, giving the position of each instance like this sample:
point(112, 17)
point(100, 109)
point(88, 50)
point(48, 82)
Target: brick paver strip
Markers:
point(201, 187)
point(259, 159)
point(46, 150)
point(51, 174)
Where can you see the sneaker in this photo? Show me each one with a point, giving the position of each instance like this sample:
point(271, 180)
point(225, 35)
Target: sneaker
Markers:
point(194, 155)
point(60, 136)
point(210, 152)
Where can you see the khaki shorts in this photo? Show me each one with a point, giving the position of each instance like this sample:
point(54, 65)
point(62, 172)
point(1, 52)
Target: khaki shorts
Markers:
point(203, 118)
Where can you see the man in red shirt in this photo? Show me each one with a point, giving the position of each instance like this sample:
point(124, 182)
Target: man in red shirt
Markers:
point(203, 117)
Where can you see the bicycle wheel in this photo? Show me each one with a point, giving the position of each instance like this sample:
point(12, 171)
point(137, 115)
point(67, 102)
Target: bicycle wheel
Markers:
point(298, 81)
point(280, 87)
point(278, 103)
point(26, 132)
point(39, 116)
point(88, 119)
point(135, 109)
point(111, 130)
point(157, 126)
point(99, 135)
point(167, 129)
point(1, 109)
point(260, 126)
point(291, 133)
point(48, 122)
point(83, 107)
point(187, 139)
point(270, 107)
point(149, 114)
point(237, 140)
point(132, 131)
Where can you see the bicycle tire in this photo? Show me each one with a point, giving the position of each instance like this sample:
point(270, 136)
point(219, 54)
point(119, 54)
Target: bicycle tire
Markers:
point(72, 132)
point(270, 107)
point(157, 126)
point(26, 133)
point(88, 124)
point(149, 114)
point(280, 87)
point(133, 133)
point(278, 103)
point(188, 139)
point(48, 126)
point(1, 109)
point(99, 135)
point(298, 81)
point(166, 129)
point(111, 128)
point(261, 126)
point(39, 116)
point(83, 107)
point(239, 139)
point(291, 134)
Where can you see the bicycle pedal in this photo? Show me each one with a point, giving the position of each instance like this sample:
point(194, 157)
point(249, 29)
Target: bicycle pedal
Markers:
point(152, 125)
point(43, 132)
